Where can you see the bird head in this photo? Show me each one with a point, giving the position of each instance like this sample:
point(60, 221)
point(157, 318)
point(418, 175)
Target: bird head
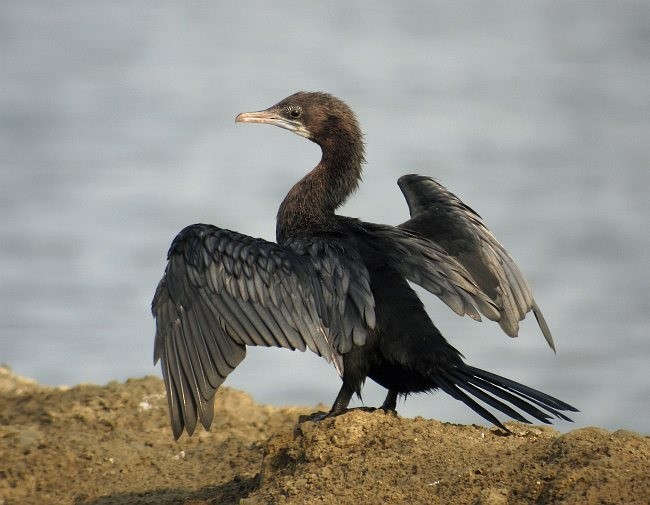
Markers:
point(320, 117)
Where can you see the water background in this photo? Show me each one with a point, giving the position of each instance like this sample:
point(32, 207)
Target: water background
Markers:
point(117, 130)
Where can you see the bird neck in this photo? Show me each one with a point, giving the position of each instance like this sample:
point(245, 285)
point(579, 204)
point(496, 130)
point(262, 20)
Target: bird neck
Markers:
point(311, 203)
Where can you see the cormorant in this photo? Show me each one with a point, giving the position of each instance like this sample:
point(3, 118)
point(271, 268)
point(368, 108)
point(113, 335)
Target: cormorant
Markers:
point(339, 287)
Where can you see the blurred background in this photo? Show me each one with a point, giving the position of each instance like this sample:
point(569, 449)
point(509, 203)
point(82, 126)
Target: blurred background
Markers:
point(117, 130)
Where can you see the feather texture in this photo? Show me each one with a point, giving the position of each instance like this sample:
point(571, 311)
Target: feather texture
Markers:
point(442, 219)
point(223, 291)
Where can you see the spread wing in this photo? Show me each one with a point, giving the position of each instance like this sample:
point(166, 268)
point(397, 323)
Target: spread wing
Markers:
point(442, 219)
point(222, 291)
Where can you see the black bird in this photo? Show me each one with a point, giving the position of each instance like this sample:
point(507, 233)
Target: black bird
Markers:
point(339, 287)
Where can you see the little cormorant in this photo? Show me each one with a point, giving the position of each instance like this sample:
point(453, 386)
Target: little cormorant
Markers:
point(339, 287)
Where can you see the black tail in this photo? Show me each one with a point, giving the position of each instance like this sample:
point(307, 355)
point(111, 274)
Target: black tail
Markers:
point(491, 389)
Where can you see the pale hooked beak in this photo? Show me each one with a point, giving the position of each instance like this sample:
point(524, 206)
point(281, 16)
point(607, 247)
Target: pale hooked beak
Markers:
point(272, 117)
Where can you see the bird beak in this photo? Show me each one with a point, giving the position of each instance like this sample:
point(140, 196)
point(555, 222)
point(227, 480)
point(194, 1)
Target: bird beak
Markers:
point(273, 117)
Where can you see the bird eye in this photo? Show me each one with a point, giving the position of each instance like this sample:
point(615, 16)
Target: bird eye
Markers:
point(294, 112)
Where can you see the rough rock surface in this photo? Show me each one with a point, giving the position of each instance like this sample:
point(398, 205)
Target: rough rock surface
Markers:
point(112, 445)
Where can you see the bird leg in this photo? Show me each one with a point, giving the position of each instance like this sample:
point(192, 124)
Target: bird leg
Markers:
point(342, 400)
point(390, 403)
point(339, 407)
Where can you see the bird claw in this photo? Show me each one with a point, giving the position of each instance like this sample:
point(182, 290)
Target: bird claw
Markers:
point(313, 417)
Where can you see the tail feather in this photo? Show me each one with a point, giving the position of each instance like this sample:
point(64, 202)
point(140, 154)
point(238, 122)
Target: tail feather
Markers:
point(451, 389)
point(537, 402)
point(515, 400)
point(521, 388)
point(481, 391)
point(491, 389)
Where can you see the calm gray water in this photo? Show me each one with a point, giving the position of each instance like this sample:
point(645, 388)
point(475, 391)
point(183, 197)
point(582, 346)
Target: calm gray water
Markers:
point(117, 129)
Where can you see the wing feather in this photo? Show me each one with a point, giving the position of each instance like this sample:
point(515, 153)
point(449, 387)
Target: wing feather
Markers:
point(425, 263)
point(452, 228)
point(216, 366)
